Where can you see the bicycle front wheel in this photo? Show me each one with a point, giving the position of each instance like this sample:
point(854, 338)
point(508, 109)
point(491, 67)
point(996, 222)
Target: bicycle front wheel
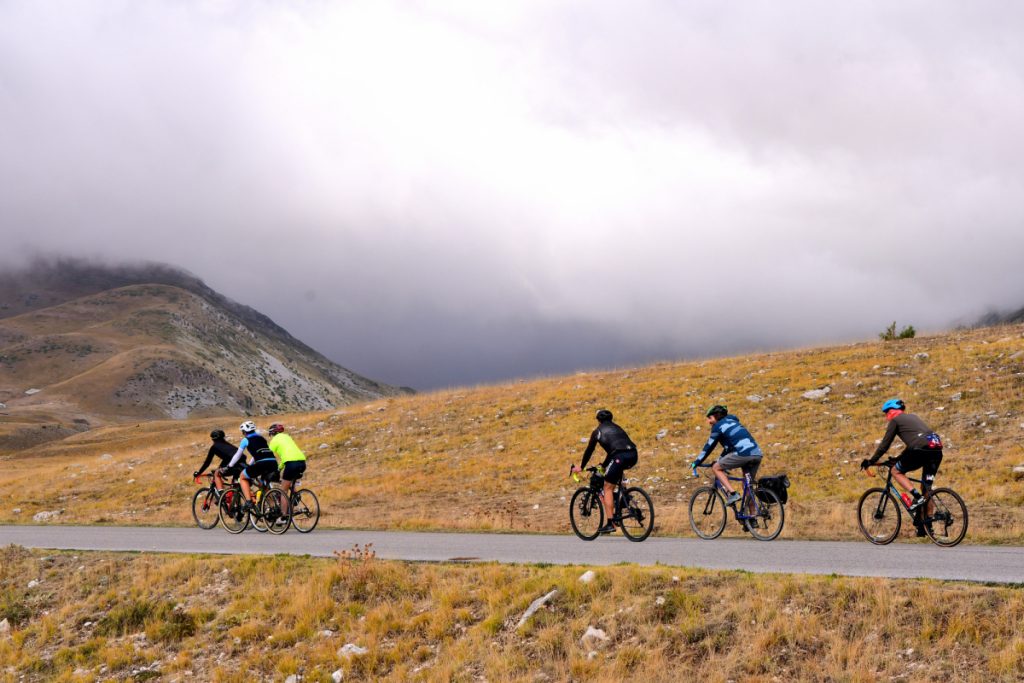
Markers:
point(707, 513)
point(637, 516)
point(233, 515)
point(305, 511)
point(770, 516)
point(586, 514)
point(205, 508)
point(878, 515)
point(272, 511)
point(945, 517)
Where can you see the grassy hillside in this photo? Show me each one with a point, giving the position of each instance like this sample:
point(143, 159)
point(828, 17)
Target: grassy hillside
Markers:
point(88, 617)
point(497, 457)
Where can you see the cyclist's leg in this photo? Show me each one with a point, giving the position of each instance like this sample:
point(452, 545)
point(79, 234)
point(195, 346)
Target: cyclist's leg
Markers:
point(613, 467)
point(908, 461)
point(750, 469)
point(244, 481)
point(721, 468)
point(928, 471)
point(289, 474)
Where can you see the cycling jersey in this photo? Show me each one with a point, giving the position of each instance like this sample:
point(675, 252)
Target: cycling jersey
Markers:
point(734, 437)
point(285, 449)
point(221, 449)
point(912, 431)
point(257, 447)
point(613, 439)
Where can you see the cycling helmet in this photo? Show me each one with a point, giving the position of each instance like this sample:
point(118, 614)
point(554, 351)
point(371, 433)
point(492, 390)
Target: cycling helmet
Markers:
point(894, 404)
point(604, 415)
point(718, 411)
point(247, 426)
point(217, 434)
point(275, 428)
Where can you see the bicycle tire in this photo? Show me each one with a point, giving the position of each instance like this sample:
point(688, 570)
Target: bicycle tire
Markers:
point(878, 516)
point(637, 515)
point(233, 516)
point(769, 510)
point(305, 511)
point(586, 514)
point(949, 510)
point(709, 522)
point(272, 511)
point(206, 508)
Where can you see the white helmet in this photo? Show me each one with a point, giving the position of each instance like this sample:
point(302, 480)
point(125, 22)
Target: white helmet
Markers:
point(248, 426)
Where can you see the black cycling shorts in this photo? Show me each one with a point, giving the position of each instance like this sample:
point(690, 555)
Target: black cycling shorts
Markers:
point(617, 463)
point(261, 469)
point(230, 472)
point(925, 459)
point(293, 470)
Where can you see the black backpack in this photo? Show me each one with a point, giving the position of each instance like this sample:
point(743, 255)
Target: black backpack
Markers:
point(776, 484)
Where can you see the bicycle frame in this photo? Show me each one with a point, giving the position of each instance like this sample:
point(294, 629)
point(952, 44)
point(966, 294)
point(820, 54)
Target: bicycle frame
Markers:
point(749, 494)
point(892, 488)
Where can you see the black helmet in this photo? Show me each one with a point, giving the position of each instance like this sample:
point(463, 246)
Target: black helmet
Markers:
point(718, 411)
point(604, 415)
point(217, 434)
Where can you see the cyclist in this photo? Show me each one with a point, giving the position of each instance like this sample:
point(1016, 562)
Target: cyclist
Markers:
point(293, 460)
point(739, 449)
point(224, 450)
point(621, 456)
point(923, 450)
point(263, 462)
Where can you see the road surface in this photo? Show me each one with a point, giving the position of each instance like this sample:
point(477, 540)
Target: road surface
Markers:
point(999, 564)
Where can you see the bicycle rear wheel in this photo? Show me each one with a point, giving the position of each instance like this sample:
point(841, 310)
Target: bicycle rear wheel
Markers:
point(205, 507)
point(272, 511)
point(305, 511)
point(770, 516)
point(233, 515)
point(586, 514)
point(878, 515)
point(707, 513)
point(946, 525)
point(637, 514)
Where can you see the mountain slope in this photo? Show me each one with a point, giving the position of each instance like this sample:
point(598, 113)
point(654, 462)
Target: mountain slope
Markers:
point(147, 351)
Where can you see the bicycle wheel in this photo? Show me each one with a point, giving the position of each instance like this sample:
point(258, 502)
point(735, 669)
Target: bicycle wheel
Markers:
point(586, 514)
point(707, 513)
point(305, 511)
point(232, 515)
point(637, 514)
point(770, 516)
point(878, 515)
point(205, 508)
point(272, 512)
point(947, 522)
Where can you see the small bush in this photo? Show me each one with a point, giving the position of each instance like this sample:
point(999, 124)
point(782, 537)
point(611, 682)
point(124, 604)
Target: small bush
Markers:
point(891, 334)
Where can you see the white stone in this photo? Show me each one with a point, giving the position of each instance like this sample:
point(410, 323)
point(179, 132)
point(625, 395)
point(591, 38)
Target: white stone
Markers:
point(29, 392)
point(755, 398)
point(5, 627)
point(45, 516)
point(349, 650)
point(327, 633)
point(593, 638)
point(921, 356)
point(815, 394)
point(661, 434)
point(323, 446)
point(337, 676)
point(588, 576)
point(536, 506)
point(17, 511)
point(660, 600)
point(33, 583)
point(1018, 472)
point(294, 678)
point(534, 606)
point(106, 456)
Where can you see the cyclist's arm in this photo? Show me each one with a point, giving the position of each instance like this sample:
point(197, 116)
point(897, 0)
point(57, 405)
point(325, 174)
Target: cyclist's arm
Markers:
point(709, 446)
point(238, 454)
point(890, 434)
point(206, 463)
point(590, 450)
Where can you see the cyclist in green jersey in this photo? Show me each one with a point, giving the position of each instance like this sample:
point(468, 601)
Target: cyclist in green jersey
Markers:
point(292, 460)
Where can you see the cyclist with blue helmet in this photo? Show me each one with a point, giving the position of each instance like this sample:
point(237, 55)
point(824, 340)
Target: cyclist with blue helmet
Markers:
point(739, 449)
point(923, 449)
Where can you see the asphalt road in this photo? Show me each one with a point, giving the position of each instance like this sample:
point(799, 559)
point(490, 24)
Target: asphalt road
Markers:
point(999, 564)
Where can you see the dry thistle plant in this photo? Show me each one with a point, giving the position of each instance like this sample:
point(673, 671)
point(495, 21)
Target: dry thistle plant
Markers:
point(357, 553)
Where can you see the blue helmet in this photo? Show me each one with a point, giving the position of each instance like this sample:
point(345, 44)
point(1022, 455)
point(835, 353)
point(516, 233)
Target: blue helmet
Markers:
point(893, 404)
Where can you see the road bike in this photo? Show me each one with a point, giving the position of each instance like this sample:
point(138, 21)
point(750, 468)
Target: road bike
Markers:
point(206, 504)
point(759, 510)
point(943, 513)
point(633, 513)
point(303, 510)
point(236, 517)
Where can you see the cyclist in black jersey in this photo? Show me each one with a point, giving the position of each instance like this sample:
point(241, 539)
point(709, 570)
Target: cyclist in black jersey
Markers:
point(224, 450)
point(263, 463)
point(621, 456)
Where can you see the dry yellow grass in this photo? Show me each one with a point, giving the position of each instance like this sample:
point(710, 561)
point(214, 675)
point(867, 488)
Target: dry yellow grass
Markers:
point(101, 616)
point(496, 457)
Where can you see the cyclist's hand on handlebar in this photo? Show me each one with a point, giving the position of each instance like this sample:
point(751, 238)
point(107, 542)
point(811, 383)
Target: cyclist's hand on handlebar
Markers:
point(195, 475)
point(865, 463)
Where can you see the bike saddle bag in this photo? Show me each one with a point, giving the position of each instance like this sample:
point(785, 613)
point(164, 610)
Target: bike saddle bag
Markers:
point(778, 484)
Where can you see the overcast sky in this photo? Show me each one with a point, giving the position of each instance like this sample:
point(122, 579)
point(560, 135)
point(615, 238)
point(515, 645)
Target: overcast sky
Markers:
point(446, 193)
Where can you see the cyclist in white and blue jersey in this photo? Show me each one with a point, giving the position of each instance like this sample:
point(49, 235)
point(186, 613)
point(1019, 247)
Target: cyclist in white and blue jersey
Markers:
point(740, 449)
point(263, 461)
